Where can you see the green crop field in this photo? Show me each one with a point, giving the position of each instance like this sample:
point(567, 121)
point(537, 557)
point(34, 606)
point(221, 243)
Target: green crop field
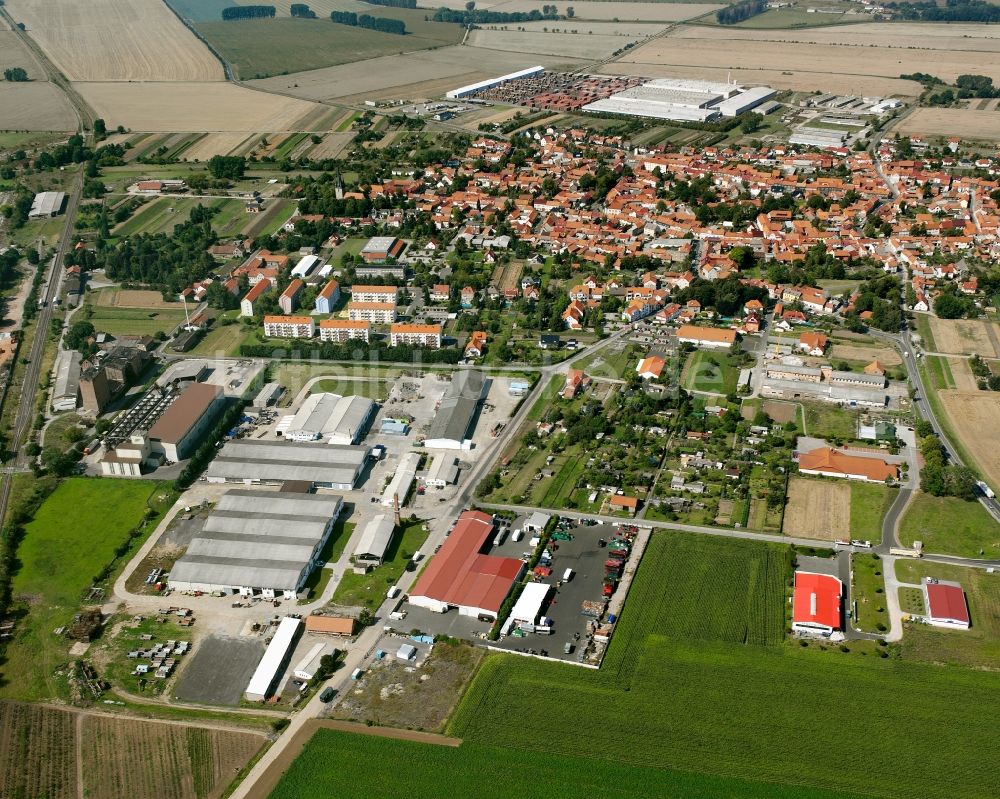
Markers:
point(295, 45)
point(328, 766)
point(951, 526)
point(779, 713)
point(869, 503)
point(74, 535)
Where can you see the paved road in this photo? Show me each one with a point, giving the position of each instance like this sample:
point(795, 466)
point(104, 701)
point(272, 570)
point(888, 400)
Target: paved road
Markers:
point(923, 406)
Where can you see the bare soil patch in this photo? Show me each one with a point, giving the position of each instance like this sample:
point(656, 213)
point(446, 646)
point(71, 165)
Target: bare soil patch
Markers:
point(116, 40)
point(397, 694)
point(971, 123)
point(781, 412)
point(818, 509)
point(975, 417)
point(332, 146)
point(136, 298)
point(964, 336)
point(887, 356)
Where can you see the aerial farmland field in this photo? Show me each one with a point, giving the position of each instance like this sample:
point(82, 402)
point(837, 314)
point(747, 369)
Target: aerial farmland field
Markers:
point(109, 40)
point(727, 707)
point(818, 509)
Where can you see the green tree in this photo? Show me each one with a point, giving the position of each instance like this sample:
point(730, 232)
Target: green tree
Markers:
point(15, 74)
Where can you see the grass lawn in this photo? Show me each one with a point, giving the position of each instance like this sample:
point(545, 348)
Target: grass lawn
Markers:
point(294, 376)
point(869, 503)
point(924, 330)
point(368, 590)
point(939, 371)
point(911, 601)
point(977, 647)
point(331, 552)
point(868, 592)
point(134, 321)
point(220, 340)
point(545, 397)
point(710, 371)
point(950, 526)
point(560, 488)
point(613, 362)
point(828, 421)
point(295, 45)
point(58, 561)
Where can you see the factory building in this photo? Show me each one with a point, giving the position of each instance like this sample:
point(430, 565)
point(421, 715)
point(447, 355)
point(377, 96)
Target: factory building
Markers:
point(182, 427)
point(483, 85)
point(402, 480)
point(258, 543)
point(454, 421)
point(47, 203)
point(332, 418)
point(255, 462)
point(375, 540)
point(683, 100)
point(67, 384)
point(275, 659)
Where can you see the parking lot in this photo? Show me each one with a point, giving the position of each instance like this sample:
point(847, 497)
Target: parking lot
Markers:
point(585, 556)
point(219, 670)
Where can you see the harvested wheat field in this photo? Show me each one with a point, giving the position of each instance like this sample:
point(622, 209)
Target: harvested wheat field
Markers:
point(215, 144)
point(587, 9)
point(116, 40)
point(560, 44)
point(575, 26)
point(975, 417)
point(965, 337)
point(961, 374)
point(128, 757)
point(13, 53)
point(902, 36)
point(35, 106)
point(887, 356)
point(450, 66)
point(970, 123)
point(209, 107)
point(818, 509)
point(832, 64)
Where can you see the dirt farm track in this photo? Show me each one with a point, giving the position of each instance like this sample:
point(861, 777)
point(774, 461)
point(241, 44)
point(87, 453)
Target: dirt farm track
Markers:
point(818, 509)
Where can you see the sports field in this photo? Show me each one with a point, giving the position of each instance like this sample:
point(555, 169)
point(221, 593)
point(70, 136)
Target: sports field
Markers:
point(74, 535)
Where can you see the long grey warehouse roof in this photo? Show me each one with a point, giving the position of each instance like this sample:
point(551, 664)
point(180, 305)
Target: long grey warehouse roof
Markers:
point(458, 407)
point(271, 461)
point(258, 539)
point(375, 537)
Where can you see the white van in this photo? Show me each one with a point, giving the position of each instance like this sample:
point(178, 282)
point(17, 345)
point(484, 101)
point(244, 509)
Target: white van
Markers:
point(393, 592)
point(567, 575)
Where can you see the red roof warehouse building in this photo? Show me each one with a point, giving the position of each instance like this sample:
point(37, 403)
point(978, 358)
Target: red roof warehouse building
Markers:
point(460, 576)
point(946, 605)
point(816, 603)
